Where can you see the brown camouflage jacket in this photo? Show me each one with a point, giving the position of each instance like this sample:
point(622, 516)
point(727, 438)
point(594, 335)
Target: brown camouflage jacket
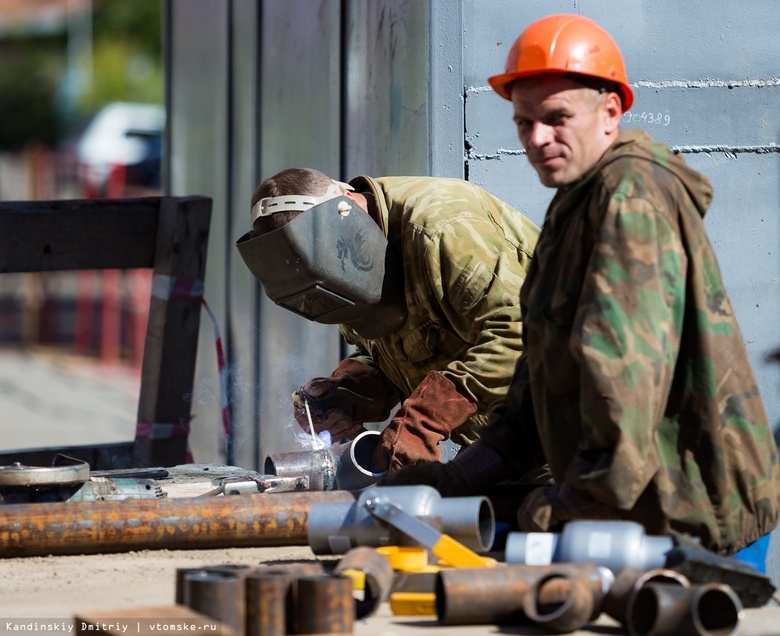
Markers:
point(465, 255)
point(634, 369)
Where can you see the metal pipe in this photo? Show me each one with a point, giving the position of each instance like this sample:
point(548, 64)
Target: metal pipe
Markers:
point(219, 596)
point(346, 466)
point(324, 605)
point(337, 527)
point(630, 581)
point(378, 574)
point(159, 524)
point(470, 596)
point(268, 601)
point(295, 571)
point(568, 614)
point(709, 609)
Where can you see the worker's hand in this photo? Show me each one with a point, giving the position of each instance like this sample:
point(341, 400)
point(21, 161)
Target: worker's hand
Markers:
point(446, 478)
point(340, 403)
point(426, 418)
point(548, 507)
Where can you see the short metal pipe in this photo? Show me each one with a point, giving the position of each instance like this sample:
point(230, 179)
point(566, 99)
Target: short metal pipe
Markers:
point(219, 596)
point(710, 609)
point(632, 579)
point(347, 466)
point(325, 605)
point(336, 528)
point(469, 596)
point(269, 598)
point(563, 615)
point(159, 524)
point(473, 596)
point(378, 574)
point(295, 571)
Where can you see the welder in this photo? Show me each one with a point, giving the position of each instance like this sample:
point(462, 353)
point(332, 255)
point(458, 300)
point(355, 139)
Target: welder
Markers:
point(634, 384)
point(422, 275)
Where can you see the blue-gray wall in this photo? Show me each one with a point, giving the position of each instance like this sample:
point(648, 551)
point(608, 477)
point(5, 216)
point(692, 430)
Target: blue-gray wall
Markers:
point(399, 87)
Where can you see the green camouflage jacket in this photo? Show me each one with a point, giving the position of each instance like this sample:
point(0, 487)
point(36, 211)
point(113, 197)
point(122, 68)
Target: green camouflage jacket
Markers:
point(465, 255)
point(635, 370)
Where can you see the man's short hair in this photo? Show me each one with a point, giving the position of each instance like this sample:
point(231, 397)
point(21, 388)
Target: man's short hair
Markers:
point(292, 181)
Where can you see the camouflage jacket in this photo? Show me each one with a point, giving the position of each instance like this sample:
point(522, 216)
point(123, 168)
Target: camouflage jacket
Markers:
point(465, 255)
point(635, 370)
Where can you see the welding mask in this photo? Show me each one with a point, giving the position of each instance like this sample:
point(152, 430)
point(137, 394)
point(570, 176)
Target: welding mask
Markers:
point(331, 264)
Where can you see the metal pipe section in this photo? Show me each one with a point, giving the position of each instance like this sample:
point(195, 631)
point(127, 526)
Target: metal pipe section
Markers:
point(710, 609)
point(219, 596)
point(338, 527)
point(567, 614)
point(324, 605)
point(346, 466)
point(630, 581)
point(295, 571)
point(268, 600)
point(160, 524)
point(378, 574)
point(471, 596)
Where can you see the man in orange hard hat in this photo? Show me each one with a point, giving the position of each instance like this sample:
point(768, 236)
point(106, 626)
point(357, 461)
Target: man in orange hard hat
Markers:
point(634, 384)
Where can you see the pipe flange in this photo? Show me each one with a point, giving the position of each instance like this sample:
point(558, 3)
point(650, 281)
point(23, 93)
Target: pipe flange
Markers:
point(18, 474)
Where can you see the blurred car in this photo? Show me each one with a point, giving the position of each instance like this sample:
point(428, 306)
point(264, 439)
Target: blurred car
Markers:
point(121, 150)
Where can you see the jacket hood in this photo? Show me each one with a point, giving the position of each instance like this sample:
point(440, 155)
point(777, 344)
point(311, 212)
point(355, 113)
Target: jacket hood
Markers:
point(636, 143)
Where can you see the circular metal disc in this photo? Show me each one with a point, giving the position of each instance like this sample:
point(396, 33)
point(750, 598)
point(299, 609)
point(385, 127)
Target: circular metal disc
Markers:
point(20, 475)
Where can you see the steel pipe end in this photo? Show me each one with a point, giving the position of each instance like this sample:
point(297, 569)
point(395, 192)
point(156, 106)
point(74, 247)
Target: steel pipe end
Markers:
point(709, 609)
point(354, 462)
point(565, 614)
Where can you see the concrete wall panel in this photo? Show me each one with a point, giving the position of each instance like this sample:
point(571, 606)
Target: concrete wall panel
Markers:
point(387, 116)
point(197, 32)
point(299, 111)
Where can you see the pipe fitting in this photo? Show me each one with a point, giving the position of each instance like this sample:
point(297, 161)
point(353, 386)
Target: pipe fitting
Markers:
point(347, 466)
point(338, 527)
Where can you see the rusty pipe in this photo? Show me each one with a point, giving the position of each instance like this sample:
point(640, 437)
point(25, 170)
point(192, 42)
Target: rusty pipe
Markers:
point(472, 596)
point(378, 575)
point(563, 615)
point(325, 605)
point(660, 609)
point(630, 581)
point(219, 595)
point(159, 524)
point(268, 602)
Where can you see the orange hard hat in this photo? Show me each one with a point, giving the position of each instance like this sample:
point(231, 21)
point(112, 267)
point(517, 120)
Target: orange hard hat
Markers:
point(569, 44)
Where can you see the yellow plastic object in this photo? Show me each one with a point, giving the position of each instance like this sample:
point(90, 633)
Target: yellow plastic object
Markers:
point(413, 603)
point(358, 578)
point(405, 558)
point(458, 555)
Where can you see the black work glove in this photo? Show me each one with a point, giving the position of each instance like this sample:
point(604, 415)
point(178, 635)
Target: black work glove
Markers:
point(547, 508)
point(444, 477)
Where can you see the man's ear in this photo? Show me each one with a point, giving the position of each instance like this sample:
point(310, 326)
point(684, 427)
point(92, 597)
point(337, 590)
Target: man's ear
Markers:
point(613, 111)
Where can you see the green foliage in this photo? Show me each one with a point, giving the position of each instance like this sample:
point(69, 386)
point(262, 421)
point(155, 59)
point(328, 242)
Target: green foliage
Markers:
point(28, 84)
point(36, 103)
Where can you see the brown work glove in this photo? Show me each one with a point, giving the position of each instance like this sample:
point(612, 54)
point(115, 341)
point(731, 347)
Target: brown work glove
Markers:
point(426, 418)
point(354, 393)
point(472, 470)
point(547, 508)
